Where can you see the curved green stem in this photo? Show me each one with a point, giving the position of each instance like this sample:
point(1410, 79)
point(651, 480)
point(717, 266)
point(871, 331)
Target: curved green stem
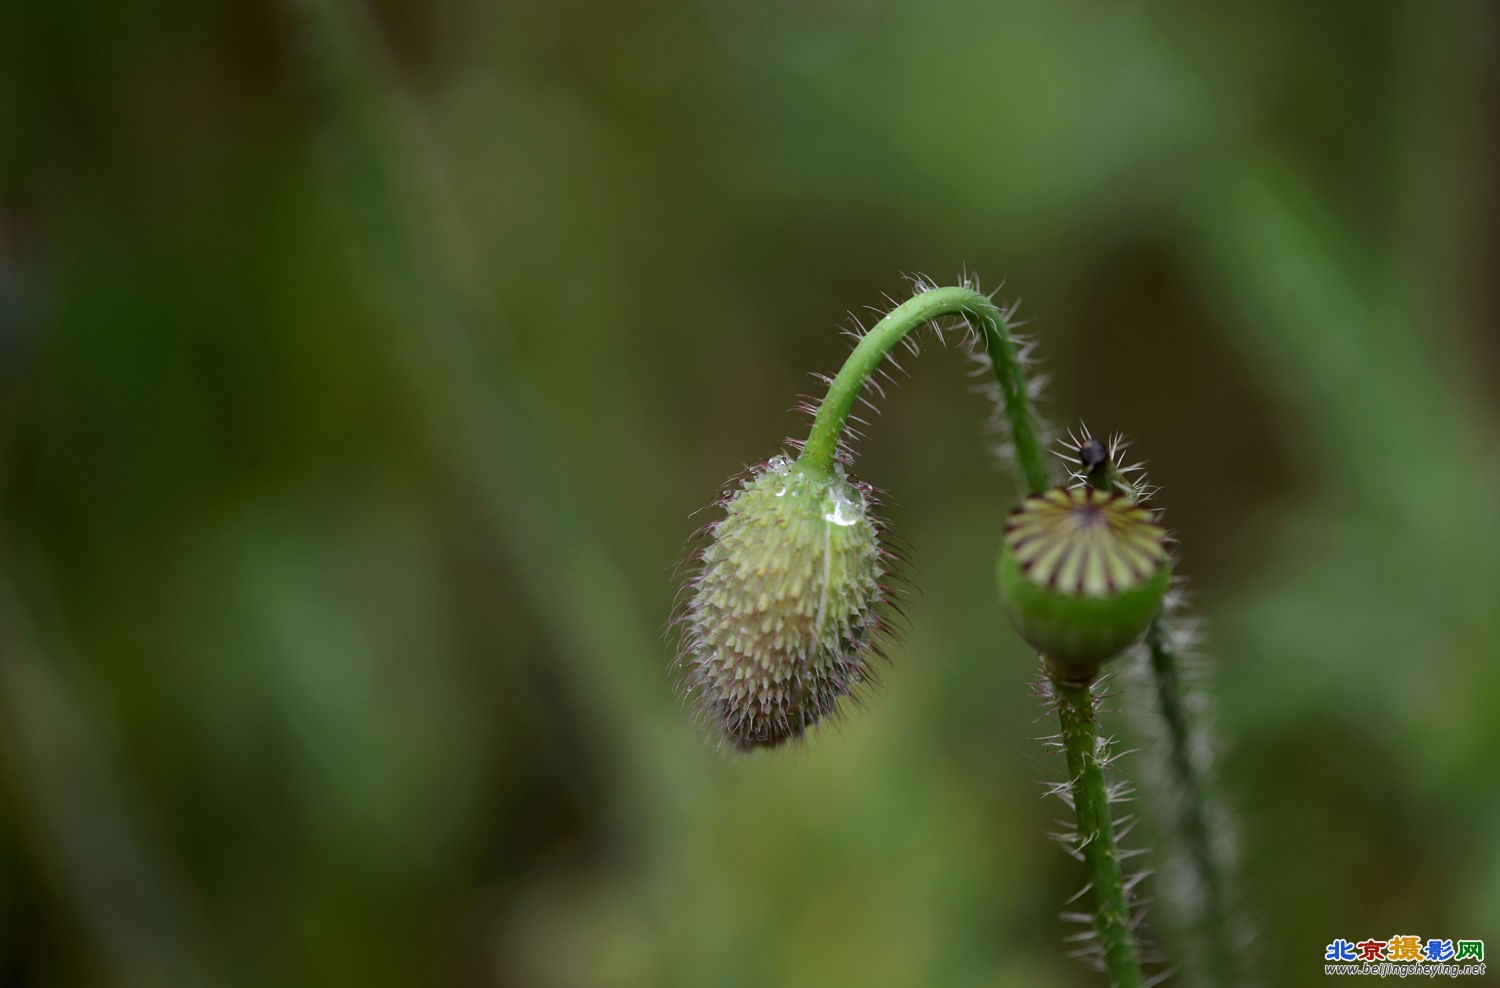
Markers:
point(1095, 837)
point(935, 303)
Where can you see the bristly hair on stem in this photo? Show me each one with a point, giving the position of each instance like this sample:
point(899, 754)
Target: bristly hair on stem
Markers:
point(1171, 710)
point(982, 321)
point(1094, 839)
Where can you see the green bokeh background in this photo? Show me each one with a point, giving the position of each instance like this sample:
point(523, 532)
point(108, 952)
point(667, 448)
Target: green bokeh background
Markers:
point(362, 366)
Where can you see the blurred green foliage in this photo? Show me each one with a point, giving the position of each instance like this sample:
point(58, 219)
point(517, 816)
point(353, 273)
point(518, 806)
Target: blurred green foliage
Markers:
point(360, 370)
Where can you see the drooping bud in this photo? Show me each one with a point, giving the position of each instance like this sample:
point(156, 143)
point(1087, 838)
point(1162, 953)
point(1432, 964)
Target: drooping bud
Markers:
point(1081, 572)
point(779, 622)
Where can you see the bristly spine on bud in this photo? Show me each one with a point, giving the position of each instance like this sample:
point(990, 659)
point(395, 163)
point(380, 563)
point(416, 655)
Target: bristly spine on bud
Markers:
point(784, 612)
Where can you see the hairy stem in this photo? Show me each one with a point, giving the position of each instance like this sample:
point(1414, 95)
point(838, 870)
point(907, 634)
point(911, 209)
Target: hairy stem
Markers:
point(1190, 811)
point(934, 303)
point(1095, 837)
point(1188, 801)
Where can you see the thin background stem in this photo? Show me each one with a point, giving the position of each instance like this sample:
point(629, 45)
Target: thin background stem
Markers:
point(1187, 802)
point(1189, 809)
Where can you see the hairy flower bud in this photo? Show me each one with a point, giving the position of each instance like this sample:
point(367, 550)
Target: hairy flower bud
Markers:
point(1081, 573)
point(781, 613)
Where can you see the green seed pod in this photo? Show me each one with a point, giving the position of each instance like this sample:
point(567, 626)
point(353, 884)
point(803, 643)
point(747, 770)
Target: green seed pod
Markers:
point(1081, 572)
point(779, 620)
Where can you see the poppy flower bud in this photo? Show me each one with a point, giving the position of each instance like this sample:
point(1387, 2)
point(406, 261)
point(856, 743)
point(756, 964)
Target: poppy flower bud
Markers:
point(778, 624)
point(1082, 572)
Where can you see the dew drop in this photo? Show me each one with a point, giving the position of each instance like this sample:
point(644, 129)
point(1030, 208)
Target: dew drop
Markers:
point(843, 512)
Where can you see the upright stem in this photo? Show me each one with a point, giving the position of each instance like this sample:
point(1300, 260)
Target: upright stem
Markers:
point(1190, 809)
point(935, 303)
point(1095, 839)
point(1188, 803)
